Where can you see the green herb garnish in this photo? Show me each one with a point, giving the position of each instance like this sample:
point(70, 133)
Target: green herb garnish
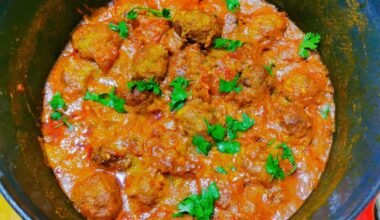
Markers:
point(233, 126)
point(217, 132)
point(220, 170)
point(199, 206)
point(58, 105)
point(269, 68)
point(121, 28)
point(310, 42)
point(229, 147)
point(203, 146)
point(57, 102)
point(164, 13)
point(273, 168)
point(179, 94)
point(229, 86)
point(325, 111)
point(107, 99)
point(233, 169)
point(233, 5)
point(227, 44)
point(271, 142)
point(145, 85)
point(288, 155)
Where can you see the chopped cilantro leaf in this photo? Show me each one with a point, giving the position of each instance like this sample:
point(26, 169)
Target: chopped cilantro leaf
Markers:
point(233, 5)
point(56, 116)
point(164, 13)
point(145, 85)
point(227, 44)
point(217, 132)
point(203, 146)
point(57, 102)
point(199, 206)
point(107, 99)
point(229, 86)
point(233, 169)
point(288, 155)
point(273, 168)
point(229, 147)
point(221, 170)
point(132, 14)
point(121, 28)
point(233, 126)
point(310, 42)
point(271, 142)
point(269, 68)
point(179, 94)
point(67, 123)
point(325, 111)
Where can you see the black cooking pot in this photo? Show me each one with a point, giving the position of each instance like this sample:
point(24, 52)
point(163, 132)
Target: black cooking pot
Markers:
point(33, 32)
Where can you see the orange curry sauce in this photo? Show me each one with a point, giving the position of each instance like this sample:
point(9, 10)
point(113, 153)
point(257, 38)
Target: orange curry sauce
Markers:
point(142, 164)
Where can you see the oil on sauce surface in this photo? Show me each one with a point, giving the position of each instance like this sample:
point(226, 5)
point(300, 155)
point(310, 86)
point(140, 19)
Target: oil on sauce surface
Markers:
point(142, 164)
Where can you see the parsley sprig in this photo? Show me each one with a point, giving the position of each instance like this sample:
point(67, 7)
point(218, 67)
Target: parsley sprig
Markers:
point(58, 105)
point(233, 126)
point(325, 111)
point(203, 146)
point(164, 13)
point(269, 68)
point(273, 164)
point(233, 5)
point(227, 44)
point(221, 170)
point(179, 94)
point(145, 85)
point(229, 86)
point(310, 42)
point(273, 168)
point(199, 206)
point(107, 99)
point(218, 133)
point(121, 28)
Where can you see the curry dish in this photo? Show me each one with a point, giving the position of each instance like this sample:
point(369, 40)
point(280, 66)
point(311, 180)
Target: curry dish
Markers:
point(188, 109)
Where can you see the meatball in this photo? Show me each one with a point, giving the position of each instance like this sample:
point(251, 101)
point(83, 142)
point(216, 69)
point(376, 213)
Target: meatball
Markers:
point(262, 29)
point(192, 116)
point(97, 42)
point(255, 82)
point(151, 29)
point(172, 41)
point(196, 26)
point(98, 196)
point(76, 73)
point(152, 61)
point(187, 62)
point(136, 98)
point(106, 158)
point(294, 121)
point(300, 86)
point(144, 185)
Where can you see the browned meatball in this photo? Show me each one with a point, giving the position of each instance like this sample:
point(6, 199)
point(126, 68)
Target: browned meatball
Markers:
point(187, 62)
point(262, 29)
point(136, 98)
point(151, 61)
point(76, 73)
point(254, 81)
point(144, 184)
point(300, 86)
point(106, 158)
point(196, 26)
point(172, 41)
point(97, 196)
point(97, 42)
point(294, 121)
